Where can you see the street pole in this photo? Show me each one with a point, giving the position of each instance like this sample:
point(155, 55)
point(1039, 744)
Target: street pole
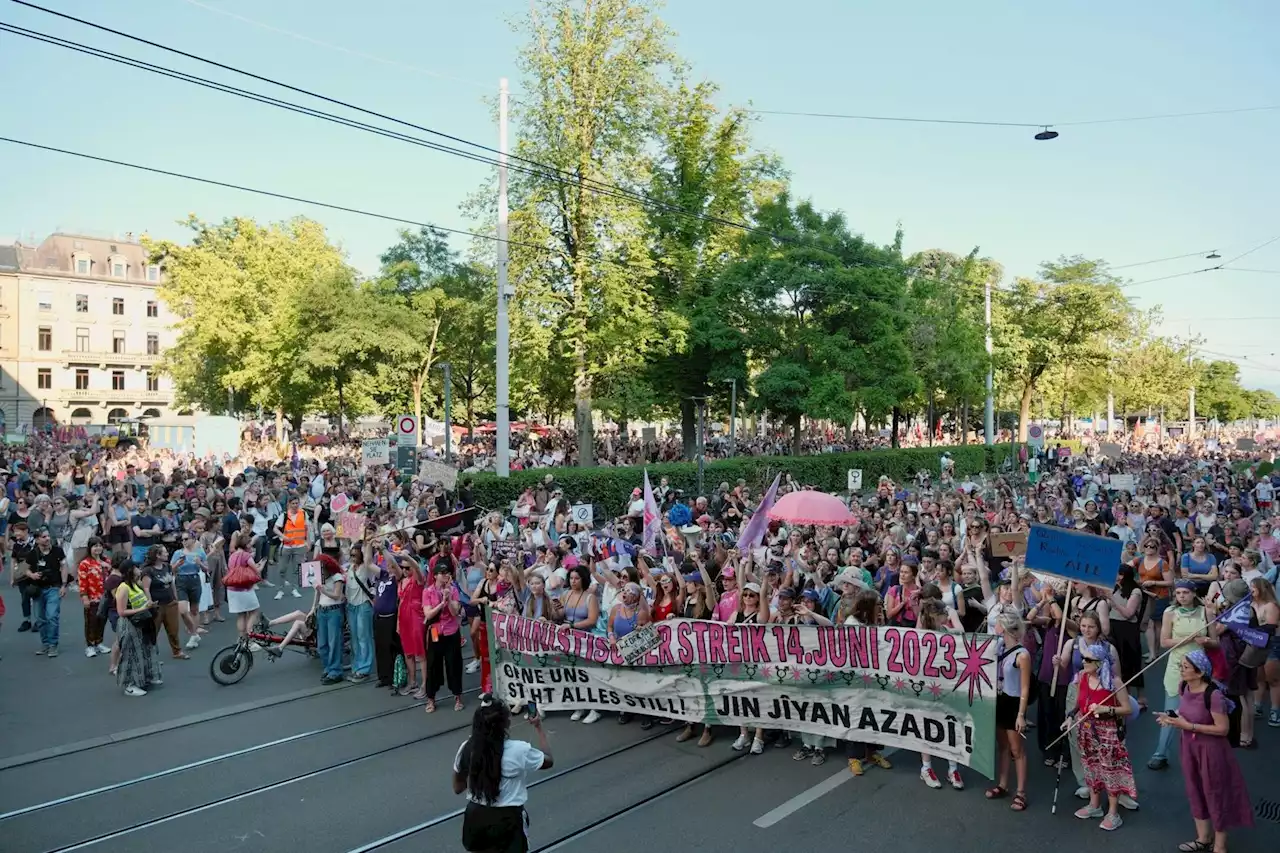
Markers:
point(989, 414)
point(1191, 395)
point(733, 418)
point(701, 401)
point(504, 293)
point(448, 409)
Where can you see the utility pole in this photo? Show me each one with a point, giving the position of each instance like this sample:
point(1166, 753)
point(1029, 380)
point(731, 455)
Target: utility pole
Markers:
point(989, 415)
point(733, 417)
point(505, 292)
point(448, 409)
point(1191, 393)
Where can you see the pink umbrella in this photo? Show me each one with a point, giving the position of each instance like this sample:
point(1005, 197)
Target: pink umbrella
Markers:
point(808, 507)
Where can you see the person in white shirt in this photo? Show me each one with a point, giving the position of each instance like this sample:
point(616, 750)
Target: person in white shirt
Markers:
point(494, 771)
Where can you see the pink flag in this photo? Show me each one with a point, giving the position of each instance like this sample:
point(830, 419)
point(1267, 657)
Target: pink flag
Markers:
point(652, 518)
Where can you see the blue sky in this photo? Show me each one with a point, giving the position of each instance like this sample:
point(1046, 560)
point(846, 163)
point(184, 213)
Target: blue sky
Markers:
point(1125, 192)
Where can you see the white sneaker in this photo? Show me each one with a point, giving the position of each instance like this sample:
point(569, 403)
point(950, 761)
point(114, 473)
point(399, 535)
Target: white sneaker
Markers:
point(134, 691)
point(576, 716)
point(254, 647)
point(1082, 792)
point(741, 743)
point(294, 592)
point(90, 651)
point(930, 778)
point(757, 746)
point(193, 642)
point(591, 717)
point(279, 595)
point(103, 650)
point(1127, 802)
point(473, 667)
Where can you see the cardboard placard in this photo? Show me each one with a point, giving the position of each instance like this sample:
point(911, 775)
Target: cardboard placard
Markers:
point(338, 503)
point(1246, 444)
point(1009, 544)
point(310, 573)
point(1123, 483)
point(1083, 557)
point(438, 472)
point(375, 451)
point(351, 525)
point(1111, 449)
point(855, 479)
point(582, 514)
point(634, 646)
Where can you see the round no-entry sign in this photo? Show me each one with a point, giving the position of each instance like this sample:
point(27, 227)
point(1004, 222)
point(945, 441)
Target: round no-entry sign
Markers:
point(407, 426)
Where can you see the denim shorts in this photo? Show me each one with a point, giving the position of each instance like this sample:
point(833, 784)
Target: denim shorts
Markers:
point(189, 590)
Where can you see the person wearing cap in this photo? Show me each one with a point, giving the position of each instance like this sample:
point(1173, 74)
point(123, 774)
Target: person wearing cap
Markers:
point(752, 609)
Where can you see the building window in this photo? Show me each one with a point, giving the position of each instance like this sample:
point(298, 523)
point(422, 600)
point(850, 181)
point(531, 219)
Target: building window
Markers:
point(44, 341)
point(117, 380)
point(44, 378)
point(153, 273)
point(45, 300)
point(82, 340)
point(117, 306)
point(115, 416)
point(82, 303)
point(153, 381)
point(82, 266)
point(117, 341)
point(117, 270)
point(153, 308)
point(82, 379)
point(153, 344)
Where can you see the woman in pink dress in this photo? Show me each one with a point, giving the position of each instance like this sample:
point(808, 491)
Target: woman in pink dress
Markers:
point(412, 631)
point(1215, 787)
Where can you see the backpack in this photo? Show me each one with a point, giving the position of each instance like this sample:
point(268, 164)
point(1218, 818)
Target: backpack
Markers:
point(1233, 716)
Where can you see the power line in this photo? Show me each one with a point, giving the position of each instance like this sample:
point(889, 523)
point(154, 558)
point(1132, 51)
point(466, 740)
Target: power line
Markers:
point(570, 178)
point(1162, 260)
point(1261, 245)
point(981, 123)
point(1246, 269)
point(300, 37)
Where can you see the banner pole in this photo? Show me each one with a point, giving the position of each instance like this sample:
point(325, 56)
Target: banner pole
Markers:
point(1062, 636)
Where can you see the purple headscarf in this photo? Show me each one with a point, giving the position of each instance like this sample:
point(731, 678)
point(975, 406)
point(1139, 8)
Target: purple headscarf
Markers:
point(1201, 662)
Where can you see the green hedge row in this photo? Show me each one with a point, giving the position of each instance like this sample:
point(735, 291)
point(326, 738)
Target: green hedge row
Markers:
point(611, 487)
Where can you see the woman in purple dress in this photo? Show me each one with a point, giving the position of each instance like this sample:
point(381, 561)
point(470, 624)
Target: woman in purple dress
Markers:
point(1215, 787)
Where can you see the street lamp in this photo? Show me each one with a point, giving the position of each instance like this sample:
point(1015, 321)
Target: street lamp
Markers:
point(733, 416)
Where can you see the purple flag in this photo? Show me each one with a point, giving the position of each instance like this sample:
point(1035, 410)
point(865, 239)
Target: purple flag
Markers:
point(754, 530)
point(652, 518)
point(1237, 621)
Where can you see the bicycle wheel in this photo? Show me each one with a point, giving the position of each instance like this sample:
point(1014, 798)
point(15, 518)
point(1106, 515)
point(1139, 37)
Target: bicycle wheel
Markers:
point(230, 665)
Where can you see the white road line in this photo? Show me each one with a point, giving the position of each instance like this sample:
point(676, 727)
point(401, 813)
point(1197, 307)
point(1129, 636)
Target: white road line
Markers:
point(804, 798)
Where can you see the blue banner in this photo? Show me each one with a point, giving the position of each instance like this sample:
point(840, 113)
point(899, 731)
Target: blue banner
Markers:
point(1076, 556)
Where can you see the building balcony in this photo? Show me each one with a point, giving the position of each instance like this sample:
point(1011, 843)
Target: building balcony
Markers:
point(110, 359)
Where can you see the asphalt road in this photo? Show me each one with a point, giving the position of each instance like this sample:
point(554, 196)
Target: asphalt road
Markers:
point(278, 762)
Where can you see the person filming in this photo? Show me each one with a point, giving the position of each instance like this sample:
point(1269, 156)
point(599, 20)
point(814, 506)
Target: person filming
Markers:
point(493, 770)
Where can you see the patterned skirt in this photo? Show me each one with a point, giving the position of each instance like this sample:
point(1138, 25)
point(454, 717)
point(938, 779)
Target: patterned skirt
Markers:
point(1105, 758)
point(139, 657)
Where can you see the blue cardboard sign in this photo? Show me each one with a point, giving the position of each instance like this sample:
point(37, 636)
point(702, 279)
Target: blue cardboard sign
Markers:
point(1081, 557)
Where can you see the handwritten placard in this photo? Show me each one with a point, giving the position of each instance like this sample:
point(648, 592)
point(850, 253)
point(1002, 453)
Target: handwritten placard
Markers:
point(634, 646)
point(438, 472)
point(339, 503)
point(310, 572)
point(375, 451)
point(351, 525)
point(1122, 483)
point(1009, 544)
point(1076, 556)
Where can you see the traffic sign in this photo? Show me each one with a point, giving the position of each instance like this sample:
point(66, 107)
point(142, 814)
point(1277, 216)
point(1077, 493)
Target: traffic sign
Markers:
point(407, 459)
point(1035, 436)
point(407, 430)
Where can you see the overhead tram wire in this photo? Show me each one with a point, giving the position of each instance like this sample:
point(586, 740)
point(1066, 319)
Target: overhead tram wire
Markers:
point(569, 179)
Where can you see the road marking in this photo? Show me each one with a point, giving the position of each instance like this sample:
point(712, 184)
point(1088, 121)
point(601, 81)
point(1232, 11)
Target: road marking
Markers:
point(804, 798)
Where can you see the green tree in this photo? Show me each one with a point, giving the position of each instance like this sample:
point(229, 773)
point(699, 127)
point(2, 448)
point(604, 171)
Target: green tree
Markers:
point(1218, 391)
point(704, 181)
point(468, 338)
point(236, 292)
point(592, 83)
point(830, 325)
point(1063, 318)
point(1263, 404)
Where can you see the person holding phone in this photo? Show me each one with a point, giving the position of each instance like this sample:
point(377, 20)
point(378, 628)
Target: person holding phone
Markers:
point(139, 662)
point(493, 770)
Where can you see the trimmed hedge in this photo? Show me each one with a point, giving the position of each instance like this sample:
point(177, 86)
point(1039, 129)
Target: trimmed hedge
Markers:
point(611, 487)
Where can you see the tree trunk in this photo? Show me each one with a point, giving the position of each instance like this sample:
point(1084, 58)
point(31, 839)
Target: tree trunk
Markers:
point(964, 421)
point(417, 401)
point(893, 430)
point(688, 428)
point(794, 423)
point(279, 426)
point(342, 410)
point(582, 410)
point(930, 414)
point(1024, 411)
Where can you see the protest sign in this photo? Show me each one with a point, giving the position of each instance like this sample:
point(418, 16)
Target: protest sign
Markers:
point(502, 549)
point(1075, 556)
point(924, 691)
point(1122, 483)
point(438, 472)
point(338, 503)
point(1009, 544)
point(310, 573)
point(855, 479)
point(1246, 444)
point(1111, 450)
point(351, 525)
point(634, 646)
point(582, 514)
point(375, 451)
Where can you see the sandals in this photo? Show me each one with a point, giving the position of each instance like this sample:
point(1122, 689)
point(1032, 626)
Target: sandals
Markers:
point(457, 704)
point(1196, 846)
point(999, 792)
point(1019, 803)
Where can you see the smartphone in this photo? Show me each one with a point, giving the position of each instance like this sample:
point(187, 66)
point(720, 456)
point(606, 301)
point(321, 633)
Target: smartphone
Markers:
point(531, 711)
point(1171, 713)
